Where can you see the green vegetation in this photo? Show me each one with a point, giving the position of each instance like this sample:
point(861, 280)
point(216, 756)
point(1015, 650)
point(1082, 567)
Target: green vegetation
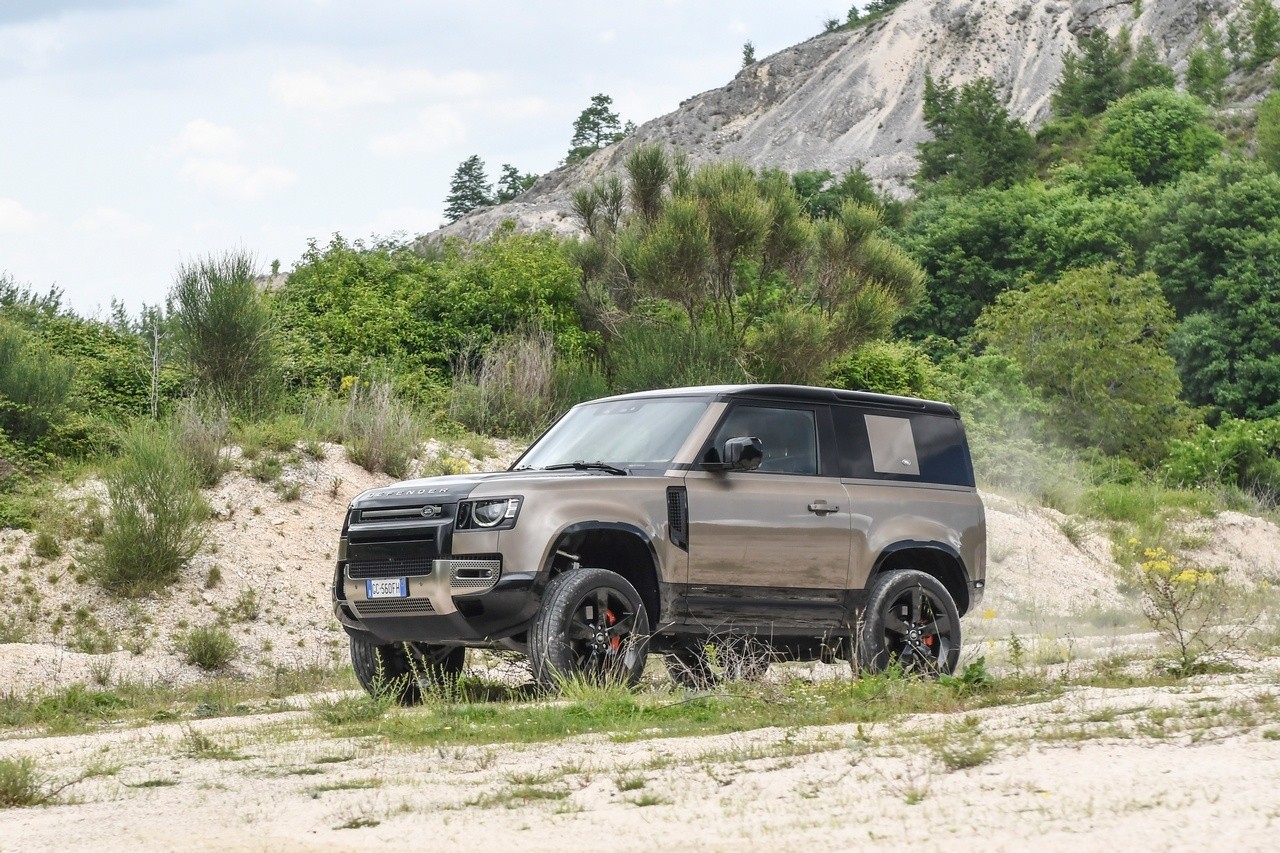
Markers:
point(155, 514)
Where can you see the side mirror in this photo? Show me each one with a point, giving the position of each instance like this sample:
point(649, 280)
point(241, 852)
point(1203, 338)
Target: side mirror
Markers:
point(744, 453)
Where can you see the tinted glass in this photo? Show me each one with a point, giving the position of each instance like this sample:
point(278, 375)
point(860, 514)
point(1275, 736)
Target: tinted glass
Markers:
point(789, 436)
point(940, 448)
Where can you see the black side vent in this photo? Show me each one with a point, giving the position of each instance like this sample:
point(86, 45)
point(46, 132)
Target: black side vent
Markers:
point(678, 516)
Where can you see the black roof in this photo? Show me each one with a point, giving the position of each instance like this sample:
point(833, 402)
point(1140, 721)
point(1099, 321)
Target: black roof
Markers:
point(803, 393)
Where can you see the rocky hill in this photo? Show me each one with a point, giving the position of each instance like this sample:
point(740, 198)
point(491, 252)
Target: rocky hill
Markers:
point(850, 97)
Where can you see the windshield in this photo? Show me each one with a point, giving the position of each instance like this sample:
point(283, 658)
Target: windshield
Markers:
point(630, 434)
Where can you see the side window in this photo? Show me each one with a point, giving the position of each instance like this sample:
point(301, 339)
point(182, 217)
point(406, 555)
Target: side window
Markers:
point(789, 436)
point(909, 447)
point(893, 446)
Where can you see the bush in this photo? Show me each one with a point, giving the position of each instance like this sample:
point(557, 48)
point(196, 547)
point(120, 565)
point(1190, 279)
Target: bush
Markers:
point(209, 647)
point(1243, 454)
point(34, 385)
point(155, 514)
point(380, 433)
point(202, 430)
point(649, 355)
point(519, 386)
point(21, 783)
point(886, 367)
point(225, 331)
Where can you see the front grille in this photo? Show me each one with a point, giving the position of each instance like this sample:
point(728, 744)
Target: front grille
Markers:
point(360, 569)
point(406, 513)
point(394, 607)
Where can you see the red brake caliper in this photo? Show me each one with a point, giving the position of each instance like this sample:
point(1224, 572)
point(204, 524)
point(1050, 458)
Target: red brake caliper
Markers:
point(615, 642)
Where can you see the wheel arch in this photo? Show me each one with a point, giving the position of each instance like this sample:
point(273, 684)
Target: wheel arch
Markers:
point(933, 558)
point(617, 546)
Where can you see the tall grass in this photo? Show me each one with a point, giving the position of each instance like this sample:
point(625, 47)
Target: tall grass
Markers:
point(380, 432)
point(202, 430)
point(155, 515)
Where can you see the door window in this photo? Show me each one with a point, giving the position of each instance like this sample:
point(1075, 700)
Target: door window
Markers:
point(790, 437)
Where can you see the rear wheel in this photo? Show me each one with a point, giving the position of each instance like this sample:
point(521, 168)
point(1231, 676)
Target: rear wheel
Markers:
point(403, 670)
point(593, 626)
point(909, 619)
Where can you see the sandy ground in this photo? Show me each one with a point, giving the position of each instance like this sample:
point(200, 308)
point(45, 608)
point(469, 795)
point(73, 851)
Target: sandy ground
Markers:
point(1177, 768)
point(1194, 767)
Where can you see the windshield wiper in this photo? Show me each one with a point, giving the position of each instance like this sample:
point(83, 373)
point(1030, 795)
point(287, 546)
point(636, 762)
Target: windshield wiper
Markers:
point(587, 466)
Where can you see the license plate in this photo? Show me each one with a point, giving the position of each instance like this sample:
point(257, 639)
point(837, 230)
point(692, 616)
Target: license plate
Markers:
point(386, 588)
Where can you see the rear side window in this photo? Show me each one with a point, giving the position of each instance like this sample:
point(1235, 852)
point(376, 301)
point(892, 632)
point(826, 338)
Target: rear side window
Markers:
point(879, 445)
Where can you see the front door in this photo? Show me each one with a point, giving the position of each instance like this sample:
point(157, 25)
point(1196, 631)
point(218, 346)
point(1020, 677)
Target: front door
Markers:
point(769, 548)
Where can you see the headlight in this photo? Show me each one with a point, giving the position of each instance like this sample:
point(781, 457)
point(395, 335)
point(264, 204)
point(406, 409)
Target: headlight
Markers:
point(494, 514)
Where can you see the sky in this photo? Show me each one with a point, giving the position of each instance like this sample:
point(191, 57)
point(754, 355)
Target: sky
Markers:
point(138, 135)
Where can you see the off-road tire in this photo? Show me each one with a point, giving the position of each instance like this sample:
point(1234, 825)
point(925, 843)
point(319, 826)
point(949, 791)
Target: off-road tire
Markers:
point(909, 619)
point(403, 670)
point(592, 625)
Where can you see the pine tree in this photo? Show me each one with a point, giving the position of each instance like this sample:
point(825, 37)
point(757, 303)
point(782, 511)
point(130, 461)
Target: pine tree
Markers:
point(1094, 77)
point(748, 54)
point(468, 190)
point(1146, 71)
point(512, 183)
point(1208, 68)
point(596, 126)
point(1264, 32)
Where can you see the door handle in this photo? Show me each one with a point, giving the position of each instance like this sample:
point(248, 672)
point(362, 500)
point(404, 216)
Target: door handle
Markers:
point(823, 508)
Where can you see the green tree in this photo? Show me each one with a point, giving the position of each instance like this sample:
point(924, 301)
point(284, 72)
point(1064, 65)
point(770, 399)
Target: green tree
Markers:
point(1156, 135)
point(748, 54)
point(1093, 344)
point(594, 128)
point(1201, 225)
point(1263, 22)
point(1092, 77)
point(1208, 68)
point(1146, 71)
point(469, 189)
point(35, 384)
point(1229, 353)
point(1267, 133)
point(224, 330)
point(975, 246)
point(975, 143)
point(513, 184)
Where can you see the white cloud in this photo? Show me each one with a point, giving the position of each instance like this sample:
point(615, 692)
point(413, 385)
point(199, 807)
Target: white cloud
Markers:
point(111, 222)
point(436, 130)
point(608, 36)
point(344, 86)
point(15, 217)
point(231, 178)
point(738, 28)
point(203, 138)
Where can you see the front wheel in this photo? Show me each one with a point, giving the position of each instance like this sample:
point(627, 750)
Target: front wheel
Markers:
point(402, 670)
point(592, 626)
point(910, 619)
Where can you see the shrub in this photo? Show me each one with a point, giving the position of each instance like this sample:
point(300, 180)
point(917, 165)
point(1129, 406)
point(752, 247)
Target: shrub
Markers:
point(1239, 453)
point(649, 355)
point(225, 331)
point(21, 783)
point(202, 430)
point(155, 514)
point(886, 367)
point(511, 389)
point(380, 433)
point(209, 647)
point(1186, 606)
point(34, 385)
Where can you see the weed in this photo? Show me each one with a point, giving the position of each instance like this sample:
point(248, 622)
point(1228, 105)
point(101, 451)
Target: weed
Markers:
point(213, 577)
point(649, 800)
point(202, 429)
point(380, 433)
point(963, 752)
point(289, 492)
point(153, 783)
point(199, 745)
point(45, 546)
point(21, 783)
point(314, 451)
point(633, 782)
point(266, 469)
point(1187, 606)
point(359, 822)
point(247, 607)
point(209, 647)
